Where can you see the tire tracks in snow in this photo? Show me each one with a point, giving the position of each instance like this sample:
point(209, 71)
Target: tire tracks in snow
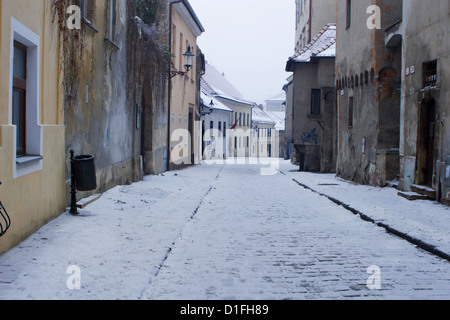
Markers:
point(146, 290)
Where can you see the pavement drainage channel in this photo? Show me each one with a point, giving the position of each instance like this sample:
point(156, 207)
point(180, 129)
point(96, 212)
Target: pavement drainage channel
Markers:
point(417, 242)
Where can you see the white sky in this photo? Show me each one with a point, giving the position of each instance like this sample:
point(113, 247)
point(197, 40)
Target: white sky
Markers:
point(250, 41)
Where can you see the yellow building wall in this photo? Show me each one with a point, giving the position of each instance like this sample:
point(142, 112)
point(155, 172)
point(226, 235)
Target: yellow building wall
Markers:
point(183, 95)
point(32, 200)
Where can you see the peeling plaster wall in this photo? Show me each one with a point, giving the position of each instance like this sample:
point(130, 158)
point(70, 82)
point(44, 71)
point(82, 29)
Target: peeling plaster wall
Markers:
point(426, 37)
point(314, 135)
point(368, 148)
point(99, 121)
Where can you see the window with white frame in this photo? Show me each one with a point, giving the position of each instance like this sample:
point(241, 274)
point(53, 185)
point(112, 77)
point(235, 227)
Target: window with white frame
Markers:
point(24, 100)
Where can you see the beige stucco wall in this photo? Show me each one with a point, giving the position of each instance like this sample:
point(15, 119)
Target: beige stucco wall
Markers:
point(184, 87)
point(35, 198)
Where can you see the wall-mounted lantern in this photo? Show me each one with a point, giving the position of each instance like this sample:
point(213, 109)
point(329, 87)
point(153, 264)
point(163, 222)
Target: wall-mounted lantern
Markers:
point(188, 63)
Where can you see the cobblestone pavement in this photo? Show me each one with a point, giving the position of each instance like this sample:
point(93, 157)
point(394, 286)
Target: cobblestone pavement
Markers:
point(264, 237)
point(218, 232)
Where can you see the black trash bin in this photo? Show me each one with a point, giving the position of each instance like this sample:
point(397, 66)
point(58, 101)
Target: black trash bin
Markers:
point(83, 170)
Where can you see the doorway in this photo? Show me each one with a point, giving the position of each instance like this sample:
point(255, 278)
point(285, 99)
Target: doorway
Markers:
point(426, 153)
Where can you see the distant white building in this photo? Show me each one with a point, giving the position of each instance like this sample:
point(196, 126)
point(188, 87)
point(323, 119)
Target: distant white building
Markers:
point(216, 85)
point(216, 120)
point(276, 103)
point(263, 134)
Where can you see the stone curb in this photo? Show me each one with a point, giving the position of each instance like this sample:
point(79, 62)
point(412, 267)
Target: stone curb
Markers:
point(419, 243)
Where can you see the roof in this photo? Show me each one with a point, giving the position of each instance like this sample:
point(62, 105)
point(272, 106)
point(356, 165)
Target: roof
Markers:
point(216, 104)
point(186, 11)
point(279, 97)
point(279, 118)
point(322, 46)
point(259, 116)
point(217, 85)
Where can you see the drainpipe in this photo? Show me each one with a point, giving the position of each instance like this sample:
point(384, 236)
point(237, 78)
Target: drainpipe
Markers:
point(170, 83)
point(310, 21)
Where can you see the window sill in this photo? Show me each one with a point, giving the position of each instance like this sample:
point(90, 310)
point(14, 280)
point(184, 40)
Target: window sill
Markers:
point(112, 44)
point(25, 160)
point(315, 116)
point(89, 24)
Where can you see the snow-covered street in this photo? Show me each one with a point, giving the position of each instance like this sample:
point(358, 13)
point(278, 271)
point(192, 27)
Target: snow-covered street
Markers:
point(227, 232)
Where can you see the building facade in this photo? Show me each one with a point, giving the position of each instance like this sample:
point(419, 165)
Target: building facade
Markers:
point(263, 135)
point(423, 38)
point(311, 17)
point(219, 87)
point(31, 119)
point(184, 99)
point(215, 119)
point(368, 85)
point(314, 103)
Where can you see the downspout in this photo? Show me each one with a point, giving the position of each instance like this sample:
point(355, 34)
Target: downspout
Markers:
point(170, 84)
point(310, 21)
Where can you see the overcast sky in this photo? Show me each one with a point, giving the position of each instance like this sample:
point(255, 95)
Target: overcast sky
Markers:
point(250, 41)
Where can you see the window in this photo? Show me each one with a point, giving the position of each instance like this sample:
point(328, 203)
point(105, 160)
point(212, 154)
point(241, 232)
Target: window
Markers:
point(248, 120)
point(315, 101)
point(350, 112)
point(180, 57)
point(240, 119)
point(24, 99)
point(19, 96)
point(87, 11)
point(349, 13)
point(220, 128)
point(112, 20)
point(174, 43)
point(430, 73)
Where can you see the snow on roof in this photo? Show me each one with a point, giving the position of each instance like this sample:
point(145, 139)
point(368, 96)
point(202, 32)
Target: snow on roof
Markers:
point(259, 116)
point(208, 98)
point(279, 118)
point(322, 46)
point(218, 85)
point(279, 97)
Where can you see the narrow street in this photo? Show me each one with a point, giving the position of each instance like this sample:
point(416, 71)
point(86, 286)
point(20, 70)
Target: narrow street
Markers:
point(219, 232)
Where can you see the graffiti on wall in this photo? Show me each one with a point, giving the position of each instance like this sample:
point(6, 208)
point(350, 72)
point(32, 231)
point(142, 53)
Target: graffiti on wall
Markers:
point(310, 137)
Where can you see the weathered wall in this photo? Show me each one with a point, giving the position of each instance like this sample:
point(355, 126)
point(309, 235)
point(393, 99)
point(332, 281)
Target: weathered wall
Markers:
point(98, 119)
point(289, 89)
point(314, 135)
point(312, 17)
point(425, 31)
point(369, 73)
point(148, 86)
